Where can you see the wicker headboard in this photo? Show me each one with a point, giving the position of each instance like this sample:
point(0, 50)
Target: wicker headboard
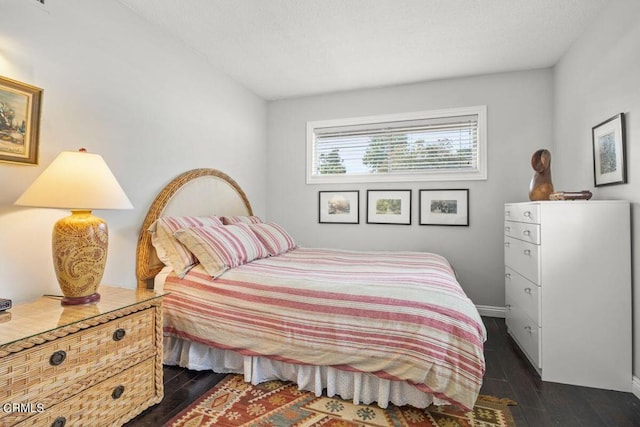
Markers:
point(198, 192)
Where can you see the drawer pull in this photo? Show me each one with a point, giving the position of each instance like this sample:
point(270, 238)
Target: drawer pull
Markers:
point(527, 328)
point(527, 291)
point(527, 252)
point(507, 213)
point(507, 244)
point(527, 214)
point(57, 358)
point(117, 392)
point(526, 233)
point(507, 229)
point(119, 334)
point(59, 422)
point(507, 275)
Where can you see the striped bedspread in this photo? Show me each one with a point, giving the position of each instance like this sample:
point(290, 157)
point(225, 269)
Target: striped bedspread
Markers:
point(398, 315)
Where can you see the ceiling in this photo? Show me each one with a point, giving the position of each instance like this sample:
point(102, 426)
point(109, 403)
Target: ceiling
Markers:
point(289, 48)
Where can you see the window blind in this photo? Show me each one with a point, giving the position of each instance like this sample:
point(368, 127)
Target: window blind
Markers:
point(397, 147)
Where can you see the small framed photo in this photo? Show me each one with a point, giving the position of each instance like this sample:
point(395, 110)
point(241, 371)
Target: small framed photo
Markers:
point(339, 207)
point(444, 207)
point(609, 163)
point(19, 121)
point(389, 207)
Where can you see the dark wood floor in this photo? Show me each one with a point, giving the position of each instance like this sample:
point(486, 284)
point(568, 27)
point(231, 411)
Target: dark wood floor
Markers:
point(508, 375)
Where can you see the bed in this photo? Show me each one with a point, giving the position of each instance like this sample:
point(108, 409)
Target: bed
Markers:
point(384, 327)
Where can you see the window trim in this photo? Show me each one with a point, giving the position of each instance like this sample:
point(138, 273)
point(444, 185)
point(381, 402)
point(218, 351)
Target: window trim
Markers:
point(480, 174)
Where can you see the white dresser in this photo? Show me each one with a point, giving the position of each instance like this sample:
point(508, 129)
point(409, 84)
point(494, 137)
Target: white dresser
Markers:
point(568, 289)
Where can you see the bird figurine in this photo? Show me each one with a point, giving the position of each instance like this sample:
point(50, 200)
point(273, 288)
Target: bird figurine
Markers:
point(541, 186)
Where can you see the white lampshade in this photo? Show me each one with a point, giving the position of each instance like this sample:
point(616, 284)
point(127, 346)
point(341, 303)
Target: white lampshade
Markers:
point(76, 180)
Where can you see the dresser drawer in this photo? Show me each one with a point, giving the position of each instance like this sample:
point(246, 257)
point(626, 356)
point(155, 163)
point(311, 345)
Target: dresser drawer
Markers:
point(522, 257)
point(111, 402)
point(43, 370)
point(526, 333)
point(523, 231)
point(522, 293)
point(522, 213)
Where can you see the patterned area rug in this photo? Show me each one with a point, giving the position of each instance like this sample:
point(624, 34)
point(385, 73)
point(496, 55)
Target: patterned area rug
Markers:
point(232, 402)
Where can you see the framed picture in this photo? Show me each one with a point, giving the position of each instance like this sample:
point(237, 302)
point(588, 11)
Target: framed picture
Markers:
point(609, 164)
point(389, 207)
point(339, 207)
point(444, 207)
point(19, 121)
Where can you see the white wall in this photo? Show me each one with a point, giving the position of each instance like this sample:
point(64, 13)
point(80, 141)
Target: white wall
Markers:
point(519, 110)
point(121, 88)
point(595, 80)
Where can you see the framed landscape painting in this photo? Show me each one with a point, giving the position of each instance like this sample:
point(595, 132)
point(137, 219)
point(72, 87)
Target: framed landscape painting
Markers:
point(444, 207)
point(609, 163)
point(389, 207)
point(20, 105)
point(339, 207)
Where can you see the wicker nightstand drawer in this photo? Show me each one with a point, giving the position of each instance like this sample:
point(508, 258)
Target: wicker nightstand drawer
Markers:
point(66, 358)
point(107, 403)
point(40, 372)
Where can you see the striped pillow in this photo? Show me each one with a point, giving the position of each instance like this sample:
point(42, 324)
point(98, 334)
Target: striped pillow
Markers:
point(221, 248)
point(170, 251)
point(237, 219)
point(273, 237)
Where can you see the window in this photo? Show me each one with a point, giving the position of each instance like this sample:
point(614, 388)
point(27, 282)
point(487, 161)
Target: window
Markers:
point(424, 146)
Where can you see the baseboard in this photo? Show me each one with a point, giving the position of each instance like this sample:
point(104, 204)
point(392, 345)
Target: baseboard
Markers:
point(490, 311)
point(635, 386)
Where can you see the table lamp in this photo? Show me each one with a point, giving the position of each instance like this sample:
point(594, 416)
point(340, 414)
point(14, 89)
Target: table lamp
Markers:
point(79, 181)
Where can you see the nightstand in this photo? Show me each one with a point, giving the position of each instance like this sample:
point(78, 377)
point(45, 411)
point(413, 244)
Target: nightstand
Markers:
point(93, 364)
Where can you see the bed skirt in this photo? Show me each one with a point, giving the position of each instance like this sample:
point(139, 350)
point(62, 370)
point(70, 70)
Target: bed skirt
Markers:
point(359, 387)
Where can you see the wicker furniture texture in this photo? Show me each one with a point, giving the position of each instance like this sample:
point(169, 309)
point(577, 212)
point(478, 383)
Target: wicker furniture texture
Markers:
point(93, 364)
point(147, 263)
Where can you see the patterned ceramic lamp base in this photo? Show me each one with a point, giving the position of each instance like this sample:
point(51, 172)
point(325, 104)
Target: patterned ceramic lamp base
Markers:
point(79, 245)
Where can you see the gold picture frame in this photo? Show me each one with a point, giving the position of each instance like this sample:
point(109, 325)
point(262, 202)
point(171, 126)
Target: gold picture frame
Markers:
point(20, 106)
